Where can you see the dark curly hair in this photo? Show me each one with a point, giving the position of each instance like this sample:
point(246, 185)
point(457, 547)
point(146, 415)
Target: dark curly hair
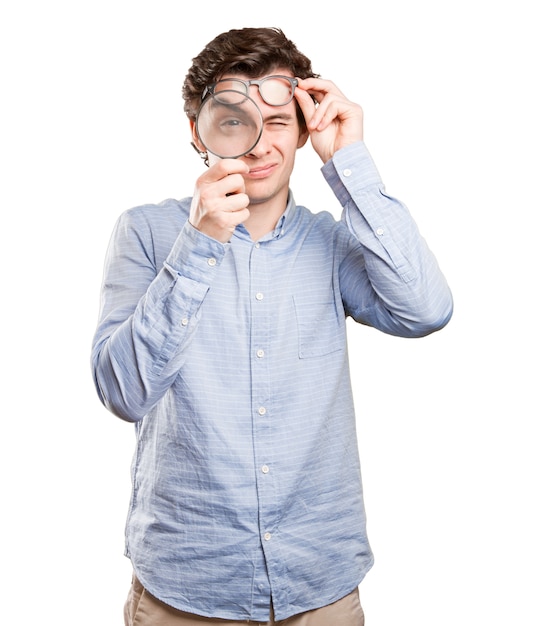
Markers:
point(250, 51)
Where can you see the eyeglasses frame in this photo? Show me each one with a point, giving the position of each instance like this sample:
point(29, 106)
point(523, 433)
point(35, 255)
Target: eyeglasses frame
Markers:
point(293, 81)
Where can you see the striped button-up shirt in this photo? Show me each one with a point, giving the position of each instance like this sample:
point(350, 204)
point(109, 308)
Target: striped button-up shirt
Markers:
point(231, 360)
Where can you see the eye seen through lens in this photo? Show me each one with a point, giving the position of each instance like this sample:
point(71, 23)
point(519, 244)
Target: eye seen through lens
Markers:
point(229, 124)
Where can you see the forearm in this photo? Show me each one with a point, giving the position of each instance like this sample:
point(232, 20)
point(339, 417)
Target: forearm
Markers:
point(409, 294)
point(147, 319)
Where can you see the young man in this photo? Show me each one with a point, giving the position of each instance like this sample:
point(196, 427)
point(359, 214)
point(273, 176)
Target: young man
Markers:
point(222, 337)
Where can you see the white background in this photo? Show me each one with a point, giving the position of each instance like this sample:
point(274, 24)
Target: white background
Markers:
point(92, 124)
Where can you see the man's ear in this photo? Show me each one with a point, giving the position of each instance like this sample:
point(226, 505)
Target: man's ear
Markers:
point(303, 138)
point(195, 139)
point(197, 145)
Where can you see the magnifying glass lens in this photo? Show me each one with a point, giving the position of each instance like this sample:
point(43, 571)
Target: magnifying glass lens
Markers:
point(229, 124)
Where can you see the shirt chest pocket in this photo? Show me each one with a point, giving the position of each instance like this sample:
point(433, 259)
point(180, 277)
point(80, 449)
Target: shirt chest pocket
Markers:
point(321, 330)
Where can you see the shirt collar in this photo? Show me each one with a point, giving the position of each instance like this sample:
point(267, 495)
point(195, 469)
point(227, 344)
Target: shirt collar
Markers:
point(286, 219)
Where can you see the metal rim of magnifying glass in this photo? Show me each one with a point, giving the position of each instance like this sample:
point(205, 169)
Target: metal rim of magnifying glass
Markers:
point(245, 97)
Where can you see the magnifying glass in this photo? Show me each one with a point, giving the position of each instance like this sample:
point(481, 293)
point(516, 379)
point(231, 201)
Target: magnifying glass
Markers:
point(229, 124)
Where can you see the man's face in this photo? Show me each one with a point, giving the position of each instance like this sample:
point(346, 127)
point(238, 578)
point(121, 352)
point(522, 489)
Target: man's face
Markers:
point(272, 160)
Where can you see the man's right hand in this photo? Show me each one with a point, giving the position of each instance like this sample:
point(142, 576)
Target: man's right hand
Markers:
point(219, 203)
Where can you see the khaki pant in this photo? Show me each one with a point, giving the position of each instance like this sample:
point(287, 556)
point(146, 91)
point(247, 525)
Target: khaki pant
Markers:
point(143, 609)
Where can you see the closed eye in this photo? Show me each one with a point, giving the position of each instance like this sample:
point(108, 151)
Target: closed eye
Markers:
point(279, 120)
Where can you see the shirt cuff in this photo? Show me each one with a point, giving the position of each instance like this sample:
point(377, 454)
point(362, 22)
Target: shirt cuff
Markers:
point(195, 255)
point(350, 171)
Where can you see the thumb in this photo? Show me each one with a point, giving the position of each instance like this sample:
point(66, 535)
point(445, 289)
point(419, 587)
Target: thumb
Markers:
point(306, 104)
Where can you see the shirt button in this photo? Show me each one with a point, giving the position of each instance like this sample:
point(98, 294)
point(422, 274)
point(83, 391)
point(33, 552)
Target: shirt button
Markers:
point(184, 321)
point(380, 232)
point(267, 536)
point(261, 410)
point(211, 262)
point(258, 245)
point(347, 172)
point(265, 469)
point(259, 296)
point(260, 353)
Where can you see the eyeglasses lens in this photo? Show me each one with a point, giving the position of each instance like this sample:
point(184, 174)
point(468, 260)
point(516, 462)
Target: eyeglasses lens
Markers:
point(274, 90)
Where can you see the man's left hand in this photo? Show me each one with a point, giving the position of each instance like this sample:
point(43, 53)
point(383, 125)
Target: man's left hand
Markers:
point(334, 122)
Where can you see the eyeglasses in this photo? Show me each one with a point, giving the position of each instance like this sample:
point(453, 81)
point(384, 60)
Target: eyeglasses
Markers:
point(275, 90)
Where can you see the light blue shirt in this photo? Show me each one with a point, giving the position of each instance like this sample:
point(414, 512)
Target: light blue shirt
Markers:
point(231, 359)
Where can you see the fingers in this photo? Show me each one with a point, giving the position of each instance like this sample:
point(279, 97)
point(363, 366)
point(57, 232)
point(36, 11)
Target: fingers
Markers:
point(223, 168)
point(334, 122)
point(332, 103)
point(307, 105)
point(319, 90)
point(219, 203)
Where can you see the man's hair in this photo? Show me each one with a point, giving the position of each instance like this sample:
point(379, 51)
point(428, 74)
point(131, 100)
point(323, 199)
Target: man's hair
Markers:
point(253, 52)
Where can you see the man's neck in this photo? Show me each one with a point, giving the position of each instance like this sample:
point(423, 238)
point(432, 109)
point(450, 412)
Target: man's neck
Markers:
point(264, 217)
point(262, 221)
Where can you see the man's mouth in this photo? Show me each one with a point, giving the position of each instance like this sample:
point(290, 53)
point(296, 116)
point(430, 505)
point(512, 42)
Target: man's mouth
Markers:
point(261, 171)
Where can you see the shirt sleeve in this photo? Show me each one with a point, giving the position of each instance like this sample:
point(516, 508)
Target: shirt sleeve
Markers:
point(147, 313)
point(407, 294)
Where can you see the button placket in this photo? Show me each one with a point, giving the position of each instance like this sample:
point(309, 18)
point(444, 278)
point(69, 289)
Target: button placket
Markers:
point(260, 372)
